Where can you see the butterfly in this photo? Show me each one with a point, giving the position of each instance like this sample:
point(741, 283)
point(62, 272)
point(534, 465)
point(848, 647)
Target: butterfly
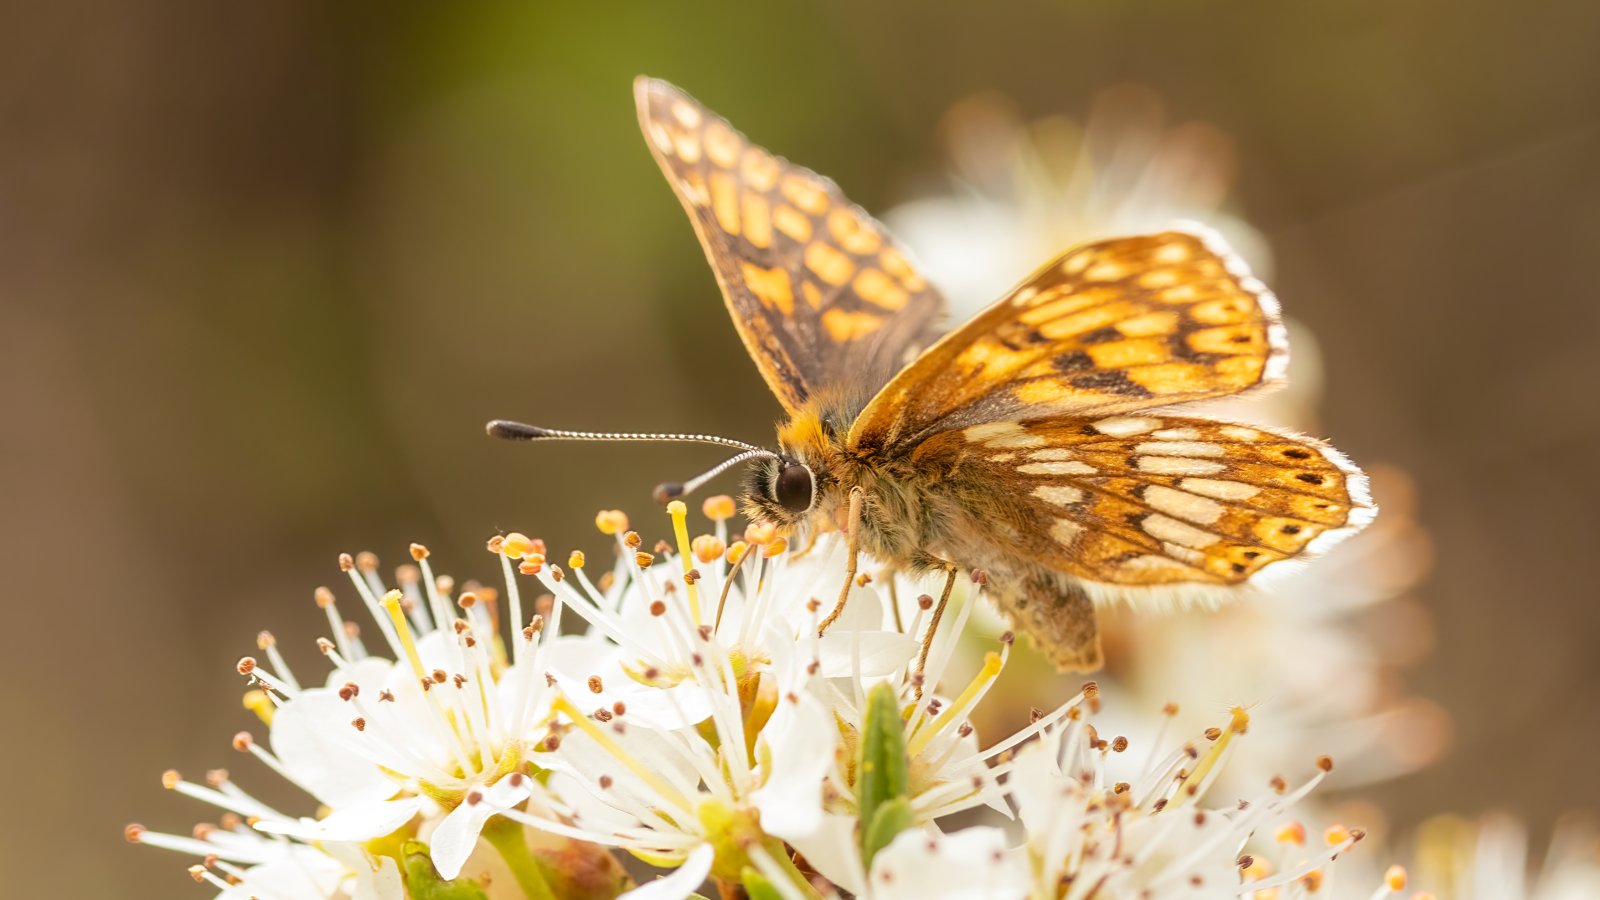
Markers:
point(1036, 443)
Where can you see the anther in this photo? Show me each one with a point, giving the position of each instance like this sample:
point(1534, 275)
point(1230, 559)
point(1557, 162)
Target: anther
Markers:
point(1325, 763)
point(611, 521)
point(575, 559)
point(707, 549)
point(242, 741)
point(366, 561)
point(323, 597)
point(419, 552)
point(643, 559)
point(516, 545)
point(246, 665)
point(596, 686)
point(132, 832)
point(346, 562)
point(632, 540)
point(925, 601)
point(1119, 743)
point(719, 508)
point(264, 640)
point(467, 599)
point(494, 544)
point(658, 608)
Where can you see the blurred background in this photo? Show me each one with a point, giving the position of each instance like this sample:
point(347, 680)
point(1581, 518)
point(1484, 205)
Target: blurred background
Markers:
point(266, 269)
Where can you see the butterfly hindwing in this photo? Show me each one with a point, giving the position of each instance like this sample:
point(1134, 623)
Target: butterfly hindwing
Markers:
point(1156, 500)
point(1111, 327)
point(821, 295)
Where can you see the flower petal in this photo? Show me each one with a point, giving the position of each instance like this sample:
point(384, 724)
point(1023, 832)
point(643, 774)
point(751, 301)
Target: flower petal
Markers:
point(971, 864)
point(351, 824)
point(681, 882)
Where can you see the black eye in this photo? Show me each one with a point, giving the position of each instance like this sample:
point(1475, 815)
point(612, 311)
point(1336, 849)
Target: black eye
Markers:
point(792, 489)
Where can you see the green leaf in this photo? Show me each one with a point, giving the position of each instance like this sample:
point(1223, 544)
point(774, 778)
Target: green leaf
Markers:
point(883, 773)
point(423, 881)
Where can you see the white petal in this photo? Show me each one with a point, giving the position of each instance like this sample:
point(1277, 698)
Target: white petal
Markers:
point(801, 739)
point(831, 849)
point(681, 882)
point(377, 878)
point(971, 864)
point(882, 652)
point(310, 735)
point(452, 842)
point(351, 824)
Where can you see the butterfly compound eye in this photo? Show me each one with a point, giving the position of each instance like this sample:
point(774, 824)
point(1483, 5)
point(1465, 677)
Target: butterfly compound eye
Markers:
point(794, 487)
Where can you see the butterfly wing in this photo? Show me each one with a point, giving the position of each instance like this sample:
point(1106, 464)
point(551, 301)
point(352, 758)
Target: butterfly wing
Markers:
point(1111, 327)
point(820, 294)
point(1129, 502)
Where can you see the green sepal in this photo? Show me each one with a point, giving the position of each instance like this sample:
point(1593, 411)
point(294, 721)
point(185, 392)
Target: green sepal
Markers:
point(757, 887)
point(888, 821)
point(423, 881)
point(883, 774)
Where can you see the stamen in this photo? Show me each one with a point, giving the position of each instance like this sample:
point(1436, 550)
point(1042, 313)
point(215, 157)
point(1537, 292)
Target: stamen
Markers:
point(391, 605)
point(645, 773)
point(992, 665)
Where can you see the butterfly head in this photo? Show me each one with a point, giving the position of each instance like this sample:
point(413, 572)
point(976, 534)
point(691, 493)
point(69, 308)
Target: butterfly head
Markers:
point(781, 489)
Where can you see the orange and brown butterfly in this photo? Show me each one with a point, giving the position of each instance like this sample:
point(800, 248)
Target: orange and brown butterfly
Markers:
point(1037, 441)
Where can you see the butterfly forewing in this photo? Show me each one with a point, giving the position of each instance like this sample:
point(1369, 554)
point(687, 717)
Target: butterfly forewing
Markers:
point(1139, 501)
point(821, 296)
point(1112, 327)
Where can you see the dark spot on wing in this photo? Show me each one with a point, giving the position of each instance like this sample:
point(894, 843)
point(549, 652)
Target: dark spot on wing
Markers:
point(1112, 382)
point(1296, 453)
point(1309, 478)
point(1101, 336)
point(1076, 361)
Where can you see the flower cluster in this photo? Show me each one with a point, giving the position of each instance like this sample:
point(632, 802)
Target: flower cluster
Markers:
point(689, 708)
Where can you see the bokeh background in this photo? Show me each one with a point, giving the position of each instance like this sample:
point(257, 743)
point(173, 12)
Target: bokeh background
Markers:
point(265, 269)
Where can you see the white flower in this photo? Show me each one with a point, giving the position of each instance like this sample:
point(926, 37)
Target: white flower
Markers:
point(1462, 859)
point(686, 722)
point(1091, 833)
point(1021, 193)
point(243, 863)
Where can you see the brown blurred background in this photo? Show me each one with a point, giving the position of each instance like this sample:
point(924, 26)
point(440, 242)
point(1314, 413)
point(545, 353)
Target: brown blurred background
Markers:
point(265, 269)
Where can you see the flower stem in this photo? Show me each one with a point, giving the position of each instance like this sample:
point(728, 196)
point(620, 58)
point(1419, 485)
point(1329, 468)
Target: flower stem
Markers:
point(511, 843)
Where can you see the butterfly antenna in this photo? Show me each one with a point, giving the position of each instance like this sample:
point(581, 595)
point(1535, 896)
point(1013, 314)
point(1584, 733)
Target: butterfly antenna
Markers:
point(672, 490)
point(519, 431)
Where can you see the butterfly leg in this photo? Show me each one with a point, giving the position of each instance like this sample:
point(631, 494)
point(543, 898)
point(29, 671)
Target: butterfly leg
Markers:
point(933, 629)
point(852, 530)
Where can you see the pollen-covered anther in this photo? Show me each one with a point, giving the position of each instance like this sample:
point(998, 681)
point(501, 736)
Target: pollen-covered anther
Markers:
point(611, 521)
point(467, 600)
point(246, 665)
point(242, 741)
point(346, 562)
point(494, 544)
point(408, 575)
point(349, 691)
point(170, 779)
point(265, 639)
point(216, 777)
point(925, 601)
point(575, 559)
point(643, 559)
point(325, 645)
point(132, 832)
point(1312, 880)
point(775, 547)
point(532, 565)
point(1008, 638)
point(1119, 743)
point(366, 561)
point(707, 548)
point(1336, 835)
point(1291, 833)
point(662, 548)
point(759, 532)
point(439, 676)
point(719, 508)
point(658, 608)
point(1325, 763)
point(557, 574)
point(323, 597)
point(632, 540)
point(736, 552)
point(979, 577)
point(692, 576)
point(419, 552)
point(1213, 733)
point(359, 723)
point(517, 545)
point(1279, 784)
point(1395, 878)
point(1091, 688)
point(198, 873)
point(596, 686)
